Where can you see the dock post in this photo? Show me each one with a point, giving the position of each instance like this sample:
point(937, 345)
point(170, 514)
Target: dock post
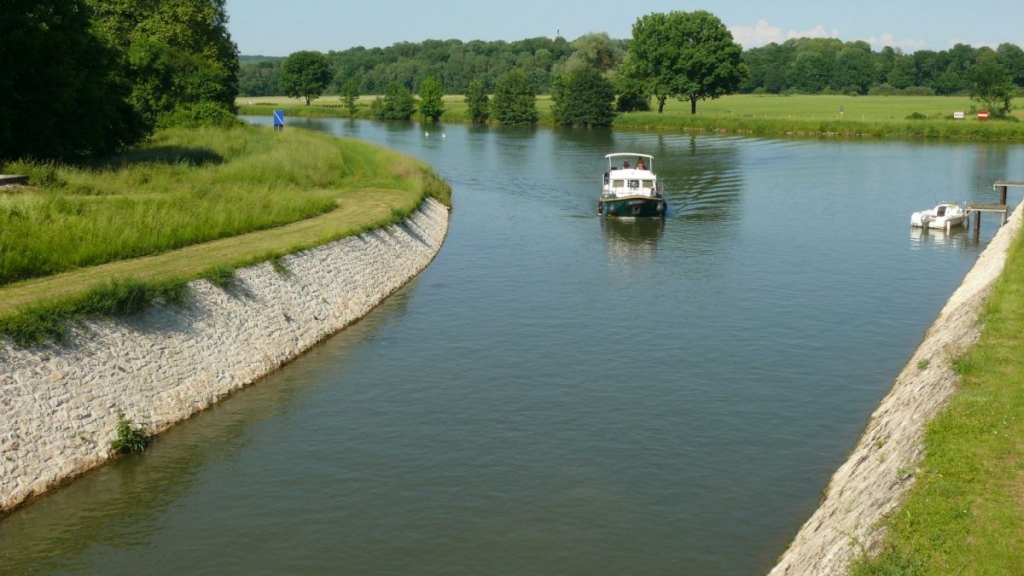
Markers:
point(977, 226)
point(1002, 195)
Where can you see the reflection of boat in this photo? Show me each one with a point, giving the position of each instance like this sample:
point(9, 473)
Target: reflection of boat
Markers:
point(942, 217)
point(957, 236)
point(632, 237)
point(631, 191)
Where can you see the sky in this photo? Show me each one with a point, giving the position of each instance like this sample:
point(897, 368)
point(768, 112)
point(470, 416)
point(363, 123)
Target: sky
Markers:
point(276, 28)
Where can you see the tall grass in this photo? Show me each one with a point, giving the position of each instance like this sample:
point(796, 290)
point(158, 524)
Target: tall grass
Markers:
point(185, 187)
point(118, 297)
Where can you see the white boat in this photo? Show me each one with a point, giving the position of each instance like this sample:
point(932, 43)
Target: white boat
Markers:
point(631, 188)
point(942, 217)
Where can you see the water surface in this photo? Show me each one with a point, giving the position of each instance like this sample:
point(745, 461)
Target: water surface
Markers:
point(558, 393)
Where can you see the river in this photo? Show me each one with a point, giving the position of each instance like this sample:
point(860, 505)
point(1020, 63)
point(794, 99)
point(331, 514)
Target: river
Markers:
point(558, 393)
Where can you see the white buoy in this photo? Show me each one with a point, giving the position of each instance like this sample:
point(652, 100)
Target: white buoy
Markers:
point(427, 134)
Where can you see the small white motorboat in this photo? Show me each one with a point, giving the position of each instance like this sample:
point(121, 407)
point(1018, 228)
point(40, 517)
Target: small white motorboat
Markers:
point(942, 217)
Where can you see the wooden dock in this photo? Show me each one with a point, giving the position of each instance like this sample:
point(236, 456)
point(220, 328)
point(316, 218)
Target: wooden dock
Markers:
point(1001, 208)
point(9, 180)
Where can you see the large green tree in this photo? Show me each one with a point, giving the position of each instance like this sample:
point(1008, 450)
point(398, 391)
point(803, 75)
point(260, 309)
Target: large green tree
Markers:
point(431, 100)
point(478, 102)
point(178, 54)
point(686, 55)
point(305, 74)
point(583, 98)
point(993, 87)
point(63, 97)
point(515, 100)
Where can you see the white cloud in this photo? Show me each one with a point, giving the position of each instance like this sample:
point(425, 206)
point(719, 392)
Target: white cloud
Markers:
point(764, 33)
point(908, 45)
point(818, 31)
point(760, 34)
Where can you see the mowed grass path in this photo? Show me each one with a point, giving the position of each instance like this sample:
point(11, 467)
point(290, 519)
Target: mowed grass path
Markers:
point(190, 201)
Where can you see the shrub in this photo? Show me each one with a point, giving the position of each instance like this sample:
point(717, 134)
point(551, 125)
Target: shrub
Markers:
point(397, 104)
point(200, 115)
point(917, 116)
point(39, 173)
point(129, 438)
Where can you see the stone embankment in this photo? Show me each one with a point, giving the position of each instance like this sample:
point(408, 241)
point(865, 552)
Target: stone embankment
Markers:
point(869, 485)
point(59, 404)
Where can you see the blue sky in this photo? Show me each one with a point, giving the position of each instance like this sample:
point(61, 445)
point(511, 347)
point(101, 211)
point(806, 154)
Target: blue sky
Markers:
point(276, 28)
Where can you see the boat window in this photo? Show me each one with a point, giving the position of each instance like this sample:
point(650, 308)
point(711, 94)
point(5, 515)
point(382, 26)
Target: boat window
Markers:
point(648, 184)
point(634, 183)
point(618, 183)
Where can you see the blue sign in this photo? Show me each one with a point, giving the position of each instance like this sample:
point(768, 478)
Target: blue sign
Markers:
point(278, 118)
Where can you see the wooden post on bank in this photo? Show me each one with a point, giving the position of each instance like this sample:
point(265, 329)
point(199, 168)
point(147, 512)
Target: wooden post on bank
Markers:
point(977, 226)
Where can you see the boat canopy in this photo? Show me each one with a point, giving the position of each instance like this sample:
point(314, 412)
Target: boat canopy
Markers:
point(628, 154)
point(647, 158)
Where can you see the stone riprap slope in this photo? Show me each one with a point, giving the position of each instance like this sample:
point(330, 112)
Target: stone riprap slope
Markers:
point(868, 486)
point(59, 404)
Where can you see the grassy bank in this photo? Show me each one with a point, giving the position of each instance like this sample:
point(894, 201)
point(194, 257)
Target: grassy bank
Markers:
point(100, 239)
point(965, 513)
point(764, 115)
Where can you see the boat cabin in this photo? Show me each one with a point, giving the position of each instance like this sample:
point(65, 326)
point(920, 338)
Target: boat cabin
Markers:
point(630, 174)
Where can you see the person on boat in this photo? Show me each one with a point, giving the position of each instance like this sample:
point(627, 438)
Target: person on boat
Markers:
point(625, 165)
point(640, 164)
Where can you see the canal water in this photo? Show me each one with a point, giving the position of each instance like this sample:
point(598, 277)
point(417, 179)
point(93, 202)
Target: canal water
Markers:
point(556, 393)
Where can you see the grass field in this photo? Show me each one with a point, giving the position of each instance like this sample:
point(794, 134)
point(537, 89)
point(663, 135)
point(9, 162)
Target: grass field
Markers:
point(187, 205)
point(862, 116)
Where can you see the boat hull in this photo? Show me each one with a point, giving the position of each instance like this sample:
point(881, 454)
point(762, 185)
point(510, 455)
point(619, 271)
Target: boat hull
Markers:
point(632, 207)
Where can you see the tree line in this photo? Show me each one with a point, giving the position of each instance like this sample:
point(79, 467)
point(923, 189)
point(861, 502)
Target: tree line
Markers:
point(800, 65)
point(817, 65)
point(83, 78)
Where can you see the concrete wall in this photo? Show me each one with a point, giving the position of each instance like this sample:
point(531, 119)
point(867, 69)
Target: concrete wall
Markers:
point(59, 404)
point(869, 485)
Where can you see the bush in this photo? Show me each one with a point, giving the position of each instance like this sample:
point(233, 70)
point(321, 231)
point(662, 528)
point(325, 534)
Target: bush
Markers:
point(39, 173)
point(397, 104)
point(201, 115)
point(917, 91)
point(917, 116)
point(882, 90)
point(129, 438)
